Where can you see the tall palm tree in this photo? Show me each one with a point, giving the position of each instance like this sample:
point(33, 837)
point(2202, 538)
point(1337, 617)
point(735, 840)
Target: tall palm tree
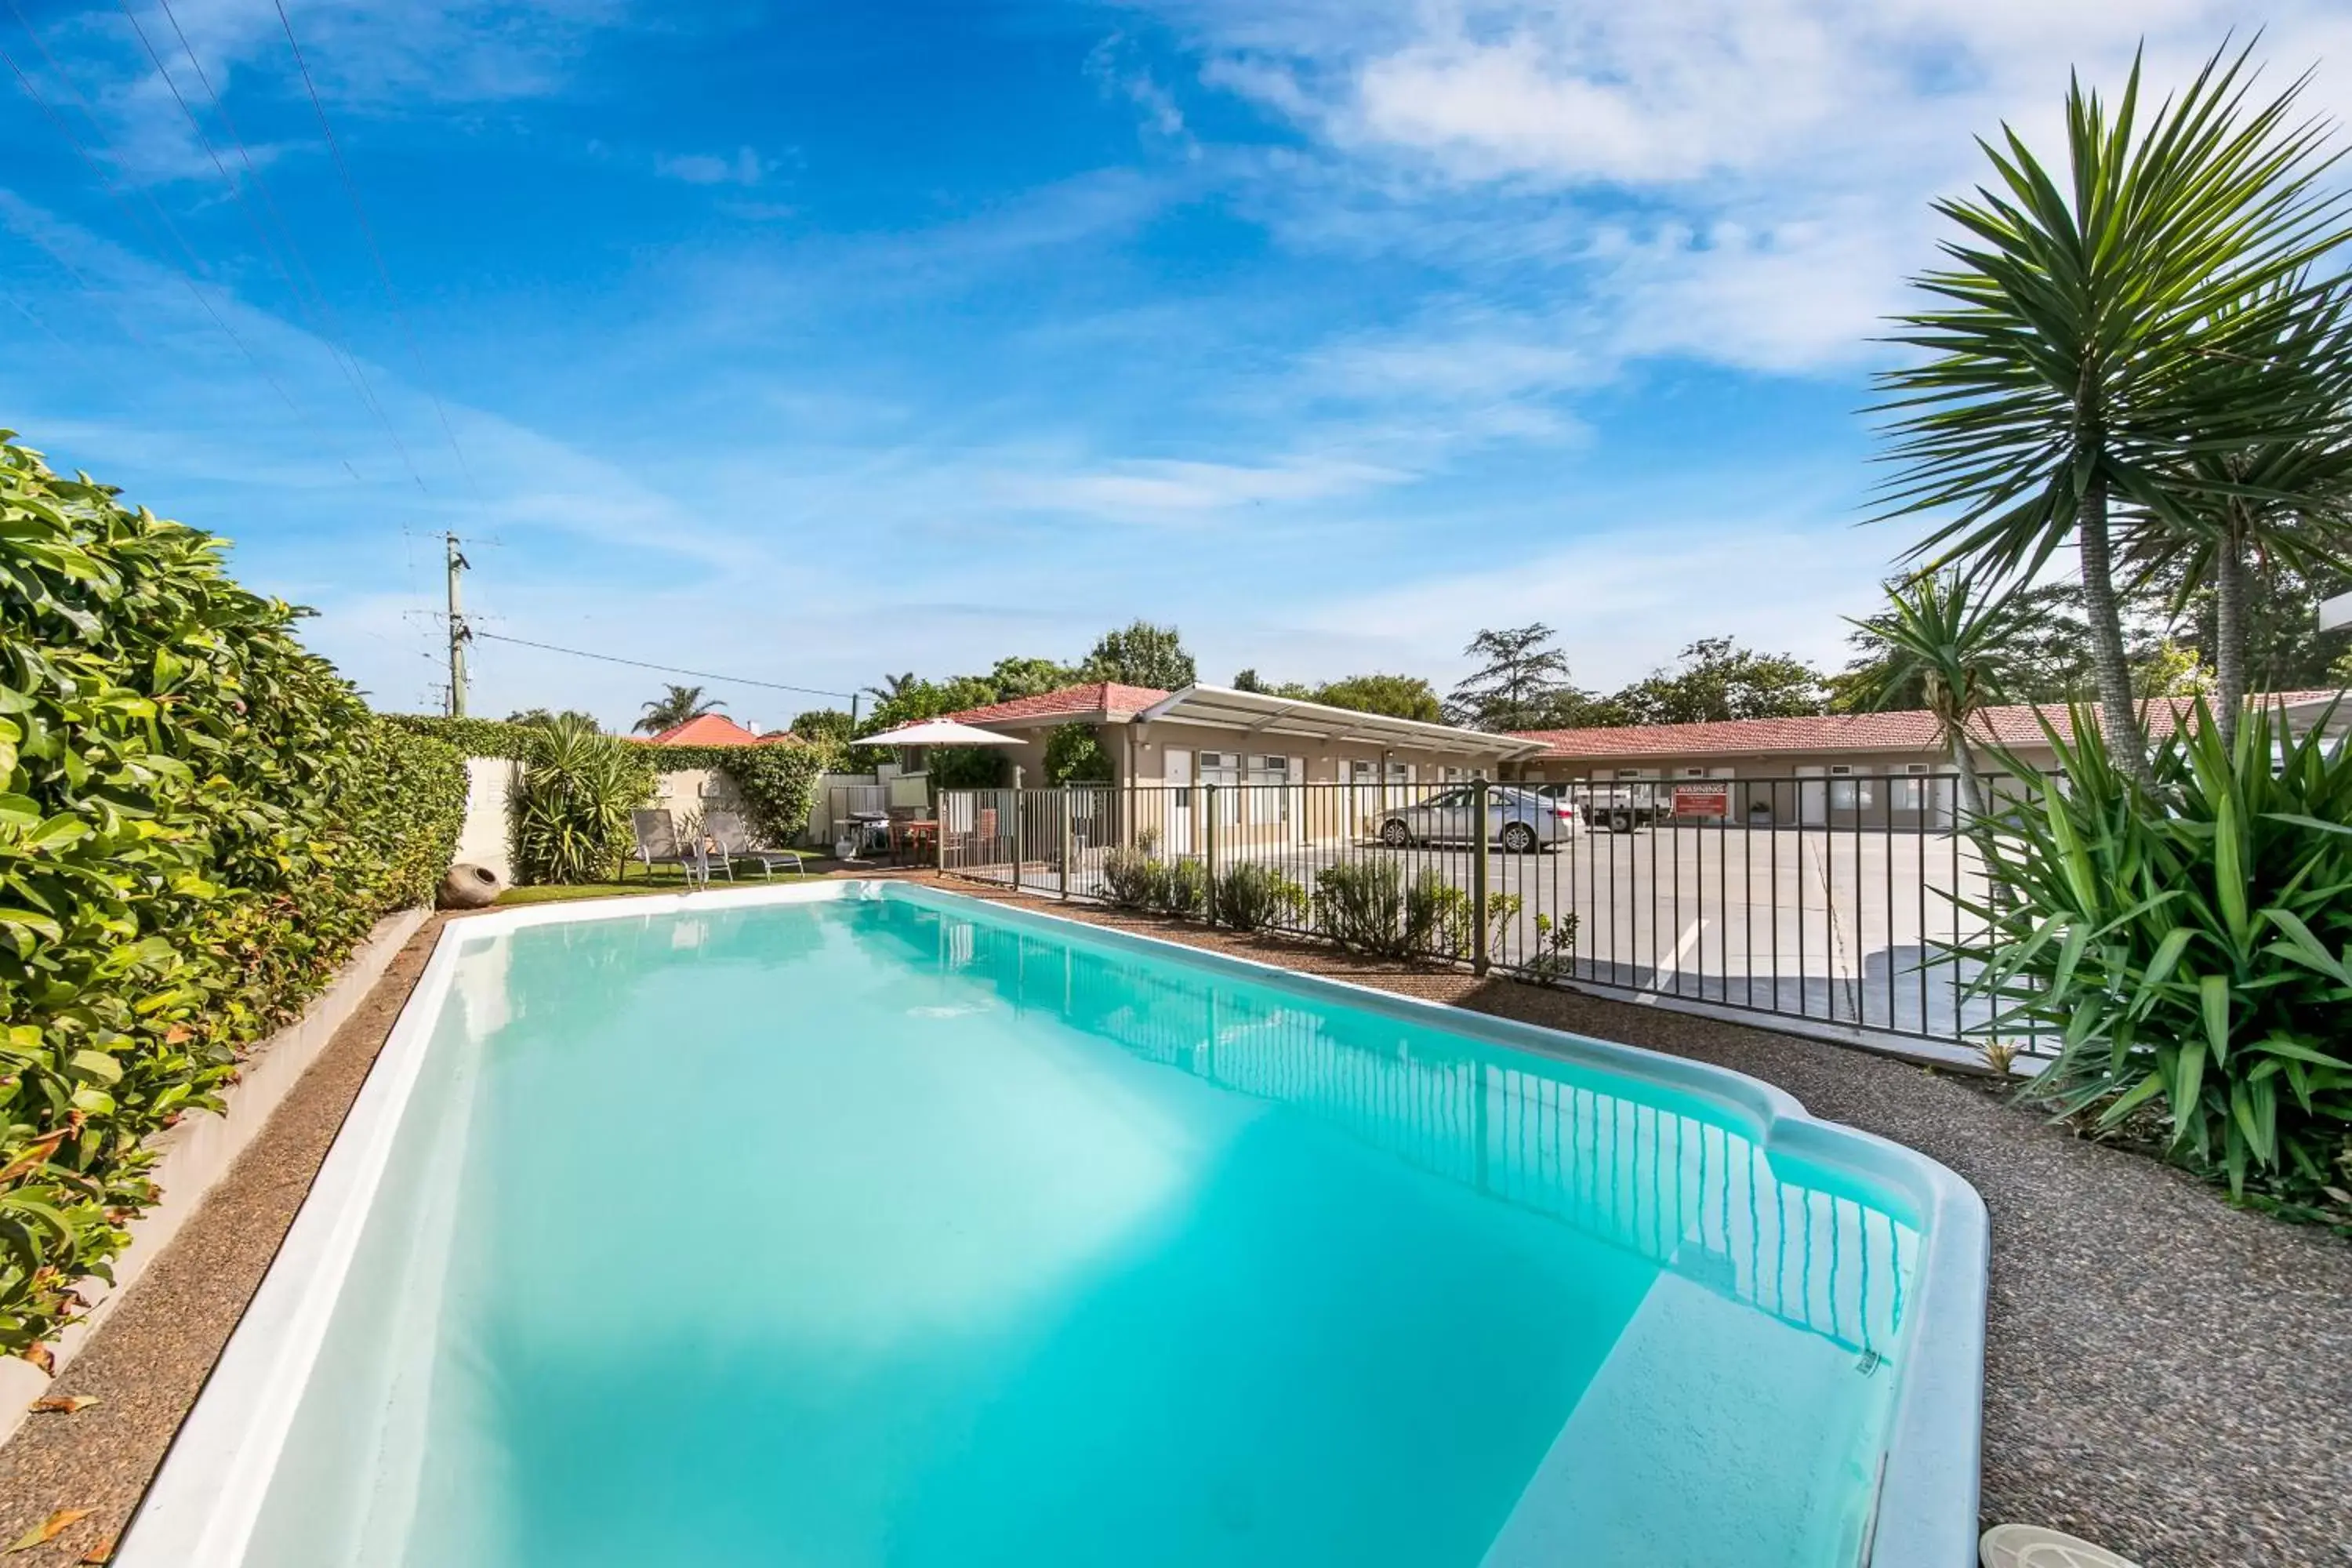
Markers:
point(893, 687)
point(2282, 498)
point(1942, 631)
point(2061, 377)
point(676, 705)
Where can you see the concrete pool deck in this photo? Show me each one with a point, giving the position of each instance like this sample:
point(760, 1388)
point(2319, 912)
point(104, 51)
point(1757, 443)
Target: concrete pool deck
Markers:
point(2164, 1374)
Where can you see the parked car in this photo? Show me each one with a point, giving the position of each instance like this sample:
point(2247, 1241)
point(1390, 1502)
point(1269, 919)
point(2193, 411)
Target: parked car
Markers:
point(1520, 820)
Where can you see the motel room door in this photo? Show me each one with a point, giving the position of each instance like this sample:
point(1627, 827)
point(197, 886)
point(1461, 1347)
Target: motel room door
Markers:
point(1176, 830)
point(1812, 796)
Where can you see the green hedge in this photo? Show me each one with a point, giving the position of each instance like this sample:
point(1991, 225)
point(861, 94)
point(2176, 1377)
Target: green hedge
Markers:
point(199, 820)
point(777, 780)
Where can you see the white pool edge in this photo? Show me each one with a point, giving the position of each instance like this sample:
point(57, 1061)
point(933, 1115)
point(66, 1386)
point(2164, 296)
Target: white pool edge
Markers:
point(206, 1498)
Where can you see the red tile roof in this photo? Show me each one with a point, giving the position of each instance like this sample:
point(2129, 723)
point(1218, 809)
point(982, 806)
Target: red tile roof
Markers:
point(710, 730)
point(1108, 698)
point(1905, 730)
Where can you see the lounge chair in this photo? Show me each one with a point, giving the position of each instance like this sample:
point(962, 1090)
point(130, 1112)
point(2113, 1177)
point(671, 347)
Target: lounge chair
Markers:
point(729, 841)
point(659, 845)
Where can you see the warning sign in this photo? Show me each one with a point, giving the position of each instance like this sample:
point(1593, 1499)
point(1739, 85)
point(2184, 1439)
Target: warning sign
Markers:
point(1702, 800)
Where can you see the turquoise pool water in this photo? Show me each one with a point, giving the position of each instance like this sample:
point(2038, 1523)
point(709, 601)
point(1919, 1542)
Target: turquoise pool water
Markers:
point(878, 1231)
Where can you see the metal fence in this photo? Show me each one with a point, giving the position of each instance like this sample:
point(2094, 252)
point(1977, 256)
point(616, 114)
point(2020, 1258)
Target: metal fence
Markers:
point(1831, 904)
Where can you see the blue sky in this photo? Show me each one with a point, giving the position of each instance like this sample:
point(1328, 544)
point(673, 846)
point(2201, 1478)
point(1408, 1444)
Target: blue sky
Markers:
point(807, 341)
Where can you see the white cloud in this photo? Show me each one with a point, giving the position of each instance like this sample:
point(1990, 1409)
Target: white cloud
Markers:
point(1166, 490)
point(1744, 180)
point(745, 167)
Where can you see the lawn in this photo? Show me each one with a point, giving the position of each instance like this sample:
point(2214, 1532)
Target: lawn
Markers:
point(639, 882)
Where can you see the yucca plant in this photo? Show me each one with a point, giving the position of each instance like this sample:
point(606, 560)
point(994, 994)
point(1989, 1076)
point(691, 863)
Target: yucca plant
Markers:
point(570, 808)
point(2077, 310)
point(2192, 950)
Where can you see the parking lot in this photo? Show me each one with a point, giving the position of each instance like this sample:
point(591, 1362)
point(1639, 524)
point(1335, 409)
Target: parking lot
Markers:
point(1842, 926)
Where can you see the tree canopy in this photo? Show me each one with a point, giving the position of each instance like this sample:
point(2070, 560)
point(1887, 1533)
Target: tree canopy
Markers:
point(1718, 680)
point(1142, 653)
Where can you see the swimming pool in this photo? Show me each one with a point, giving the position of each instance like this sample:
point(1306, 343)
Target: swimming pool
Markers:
point(857, 1223)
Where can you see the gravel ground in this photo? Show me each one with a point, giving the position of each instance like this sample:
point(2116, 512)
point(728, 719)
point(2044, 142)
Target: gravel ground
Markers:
point(2166, 1375)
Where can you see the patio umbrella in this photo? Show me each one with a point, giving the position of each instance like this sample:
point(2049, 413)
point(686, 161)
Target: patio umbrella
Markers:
point(937, 732)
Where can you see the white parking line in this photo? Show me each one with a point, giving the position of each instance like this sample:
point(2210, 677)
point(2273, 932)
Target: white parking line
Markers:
point(1672, 963)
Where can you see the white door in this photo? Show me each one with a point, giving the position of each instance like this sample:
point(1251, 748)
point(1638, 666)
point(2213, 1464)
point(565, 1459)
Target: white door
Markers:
point(1176, 835)
point(1812, 796)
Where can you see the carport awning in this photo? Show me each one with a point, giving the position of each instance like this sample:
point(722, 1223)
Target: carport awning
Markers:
point(1256, 713)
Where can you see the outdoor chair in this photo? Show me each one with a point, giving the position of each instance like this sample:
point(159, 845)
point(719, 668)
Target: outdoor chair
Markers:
point(728, 841)
point(657, 845)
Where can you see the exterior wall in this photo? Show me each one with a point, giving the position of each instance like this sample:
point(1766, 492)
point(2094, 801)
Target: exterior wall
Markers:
point(1383, 778)
point(1842, 789)
point(482, 841)
point(698, 792)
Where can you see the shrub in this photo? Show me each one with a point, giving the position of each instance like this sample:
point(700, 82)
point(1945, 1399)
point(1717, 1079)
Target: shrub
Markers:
point(1554, 957)
point(779, 781)
point(1075, 755)
point(1369, 906)
point(572, 805)
point(2193, 951)
point(1187, 891)
point(198, 821)
point(1359, 904)
point(1134, 878)
point(1250, 896)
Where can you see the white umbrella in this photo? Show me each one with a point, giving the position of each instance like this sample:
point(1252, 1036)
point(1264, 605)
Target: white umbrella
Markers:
point(937, 732)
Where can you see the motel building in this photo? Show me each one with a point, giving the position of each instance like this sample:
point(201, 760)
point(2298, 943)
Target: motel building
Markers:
point(1831, 770)
point(1286, 770)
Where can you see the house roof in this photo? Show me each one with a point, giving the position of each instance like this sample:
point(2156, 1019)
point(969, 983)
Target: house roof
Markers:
point(707, 729)
point(1105, 699)
point(1903, 730)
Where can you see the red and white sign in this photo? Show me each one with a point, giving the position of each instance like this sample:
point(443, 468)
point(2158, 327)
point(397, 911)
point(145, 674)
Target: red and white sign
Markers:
point(1702, 800)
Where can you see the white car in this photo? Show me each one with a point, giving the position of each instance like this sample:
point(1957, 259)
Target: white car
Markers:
point(1520, 820)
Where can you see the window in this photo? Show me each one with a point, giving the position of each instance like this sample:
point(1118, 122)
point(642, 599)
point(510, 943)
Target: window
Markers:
point(1265, 774)
point(1849, 789)
point(1909, 793)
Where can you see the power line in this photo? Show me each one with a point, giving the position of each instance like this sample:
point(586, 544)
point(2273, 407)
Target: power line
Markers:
point(382, 273)
point(65, 131)
point(663, 668)
point(327, 332)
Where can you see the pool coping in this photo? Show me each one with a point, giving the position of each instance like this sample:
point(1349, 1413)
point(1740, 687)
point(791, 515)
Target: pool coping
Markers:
point(206, 1498)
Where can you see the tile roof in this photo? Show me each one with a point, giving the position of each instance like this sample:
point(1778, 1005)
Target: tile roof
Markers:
point(1108, 697)
point(710, 730)
point(1905, 730)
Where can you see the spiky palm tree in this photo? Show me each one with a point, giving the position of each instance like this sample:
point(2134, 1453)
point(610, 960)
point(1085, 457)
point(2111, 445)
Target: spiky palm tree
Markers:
point(1944, 632)
point(676, 705)
point(2282, 499)
point(2061, 373)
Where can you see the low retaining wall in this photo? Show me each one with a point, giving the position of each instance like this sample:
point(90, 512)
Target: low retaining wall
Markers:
point(194, 1155)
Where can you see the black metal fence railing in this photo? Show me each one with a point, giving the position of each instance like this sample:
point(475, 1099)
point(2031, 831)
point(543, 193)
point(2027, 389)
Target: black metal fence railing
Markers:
point(1830, 903)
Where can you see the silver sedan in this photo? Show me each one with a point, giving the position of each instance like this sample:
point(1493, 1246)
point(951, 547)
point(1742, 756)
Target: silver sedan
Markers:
point(1520, 820)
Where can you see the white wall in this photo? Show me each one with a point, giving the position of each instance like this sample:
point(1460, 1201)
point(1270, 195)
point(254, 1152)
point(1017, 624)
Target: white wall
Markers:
point(483, 840)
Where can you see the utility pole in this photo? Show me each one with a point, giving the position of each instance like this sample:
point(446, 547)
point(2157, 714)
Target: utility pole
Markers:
point(459, 633)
